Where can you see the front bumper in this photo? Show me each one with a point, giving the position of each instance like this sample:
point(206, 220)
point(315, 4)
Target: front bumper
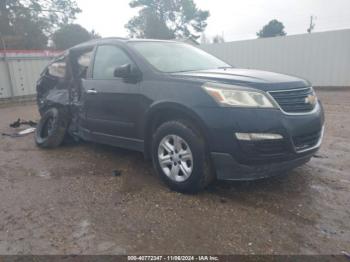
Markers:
point(240, 160)
point(227, 168)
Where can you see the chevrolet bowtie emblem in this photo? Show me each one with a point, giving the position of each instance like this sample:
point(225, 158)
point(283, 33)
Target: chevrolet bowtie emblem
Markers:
point(311, 99)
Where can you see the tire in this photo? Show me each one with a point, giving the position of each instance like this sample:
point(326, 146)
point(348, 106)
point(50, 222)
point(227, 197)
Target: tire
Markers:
point(51, 129)
point(193, 174)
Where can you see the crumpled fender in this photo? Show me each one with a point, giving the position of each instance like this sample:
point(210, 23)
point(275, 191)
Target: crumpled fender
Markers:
point(55, 97)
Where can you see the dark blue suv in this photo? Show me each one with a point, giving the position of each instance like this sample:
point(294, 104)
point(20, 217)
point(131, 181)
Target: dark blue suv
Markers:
point(195, 116)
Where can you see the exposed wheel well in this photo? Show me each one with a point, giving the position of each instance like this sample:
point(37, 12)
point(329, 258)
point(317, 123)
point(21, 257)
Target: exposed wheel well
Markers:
point(165, 115)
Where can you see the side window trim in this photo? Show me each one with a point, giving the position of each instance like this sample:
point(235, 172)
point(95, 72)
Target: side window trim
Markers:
point(92, 62)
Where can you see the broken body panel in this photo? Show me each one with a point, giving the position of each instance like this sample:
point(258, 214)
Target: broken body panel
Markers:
point(60, 86)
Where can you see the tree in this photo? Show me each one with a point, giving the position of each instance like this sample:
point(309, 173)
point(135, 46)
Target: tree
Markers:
point(272, 29)
point(218, 39)
point(147, 25)
point(167, 19)
point(70, 35)
point(28, 35)
point(33, 21)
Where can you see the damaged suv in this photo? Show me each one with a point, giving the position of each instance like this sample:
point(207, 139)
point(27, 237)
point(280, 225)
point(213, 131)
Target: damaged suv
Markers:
point(195, 116)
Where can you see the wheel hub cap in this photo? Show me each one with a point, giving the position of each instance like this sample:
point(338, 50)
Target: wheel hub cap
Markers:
point(175, 158)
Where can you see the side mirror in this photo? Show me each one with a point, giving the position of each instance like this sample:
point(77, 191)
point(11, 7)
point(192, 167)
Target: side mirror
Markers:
point(123, 71)
point(128, 72)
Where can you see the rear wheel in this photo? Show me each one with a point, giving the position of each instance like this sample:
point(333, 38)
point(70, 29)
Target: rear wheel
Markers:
point(180, 158)
point(51, 129)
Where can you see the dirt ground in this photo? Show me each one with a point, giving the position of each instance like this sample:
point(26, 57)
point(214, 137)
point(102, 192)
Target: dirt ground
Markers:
point(66, 201)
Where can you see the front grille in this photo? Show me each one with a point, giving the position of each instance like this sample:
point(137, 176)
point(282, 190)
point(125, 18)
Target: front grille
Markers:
point(306, 141)
point(295, 100)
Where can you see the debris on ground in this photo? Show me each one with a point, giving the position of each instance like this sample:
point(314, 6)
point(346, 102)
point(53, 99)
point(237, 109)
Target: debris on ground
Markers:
point(24, 132)
point(319, 156)
point(116, 172)
point(18, 123)
point(20, 133)
point(223, 200)
point(347, 254)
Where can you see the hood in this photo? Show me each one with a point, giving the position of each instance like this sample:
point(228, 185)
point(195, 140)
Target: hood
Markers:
point(263, 80)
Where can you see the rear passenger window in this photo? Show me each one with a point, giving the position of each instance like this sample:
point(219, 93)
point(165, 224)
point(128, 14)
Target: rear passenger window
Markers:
point(107, 59)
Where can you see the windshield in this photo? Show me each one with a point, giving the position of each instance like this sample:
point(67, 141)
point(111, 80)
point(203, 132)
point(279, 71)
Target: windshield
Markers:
point(177, 57)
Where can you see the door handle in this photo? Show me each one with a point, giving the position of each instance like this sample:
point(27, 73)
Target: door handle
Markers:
point(91, 91)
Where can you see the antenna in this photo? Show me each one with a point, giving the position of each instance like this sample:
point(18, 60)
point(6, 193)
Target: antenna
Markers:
point(312, 24)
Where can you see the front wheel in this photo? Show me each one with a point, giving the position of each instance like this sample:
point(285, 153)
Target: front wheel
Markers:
point(51, 129)
point(180, 158)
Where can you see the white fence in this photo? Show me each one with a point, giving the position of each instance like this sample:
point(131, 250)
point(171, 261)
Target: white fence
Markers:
point(323, 58)
point(19, 71)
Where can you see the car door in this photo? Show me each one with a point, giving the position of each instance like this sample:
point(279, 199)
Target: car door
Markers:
point(111, 104)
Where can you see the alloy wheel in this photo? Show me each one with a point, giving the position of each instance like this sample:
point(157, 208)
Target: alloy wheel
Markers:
point(175, 158)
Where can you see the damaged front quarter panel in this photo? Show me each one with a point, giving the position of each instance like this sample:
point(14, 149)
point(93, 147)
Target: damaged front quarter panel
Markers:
point(60, 86)
point(54, 89)
point(53, 86)
point(55, 97)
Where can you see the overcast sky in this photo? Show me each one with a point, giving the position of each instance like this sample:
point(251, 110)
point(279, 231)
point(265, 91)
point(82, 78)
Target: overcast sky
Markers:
point(235, 19)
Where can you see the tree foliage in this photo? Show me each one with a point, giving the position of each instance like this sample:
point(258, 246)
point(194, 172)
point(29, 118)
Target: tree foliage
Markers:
point(71, 35)
point(32, 21)
point(272, 29)
point(167, 19)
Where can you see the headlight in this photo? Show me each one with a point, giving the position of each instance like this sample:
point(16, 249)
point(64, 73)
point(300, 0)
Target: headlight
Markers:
point(230, 95)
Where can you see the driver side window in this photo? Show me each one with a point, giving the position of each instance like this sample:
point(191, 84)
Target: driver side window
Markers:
point(107, 59)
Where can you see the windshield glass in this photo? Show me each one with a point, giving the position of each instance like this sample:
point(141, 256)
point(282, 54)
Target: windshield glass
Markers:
point(177, 57)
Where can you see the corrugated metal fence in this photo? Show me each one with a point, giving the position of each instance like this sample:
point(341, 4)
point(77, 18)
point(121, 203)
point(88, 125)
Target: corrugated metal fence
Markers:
point(19, 71)
point(323, 58)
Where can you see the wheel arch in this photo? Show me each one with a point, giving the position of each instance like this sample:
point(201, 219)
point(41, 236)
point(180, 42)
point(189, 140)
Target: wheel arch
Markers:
point(161, 112)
